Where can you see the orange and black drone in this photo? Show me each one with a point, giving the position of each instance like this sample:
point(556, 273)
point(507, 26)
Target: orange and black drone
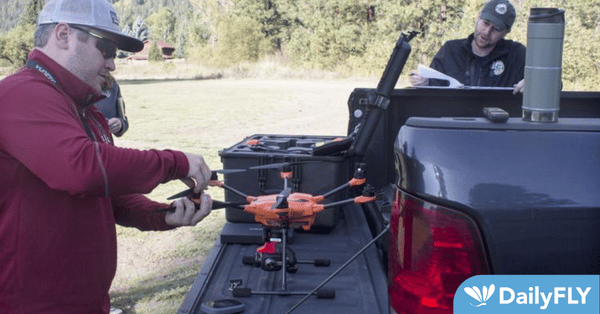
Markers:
point(287, 209)
point(280, 212)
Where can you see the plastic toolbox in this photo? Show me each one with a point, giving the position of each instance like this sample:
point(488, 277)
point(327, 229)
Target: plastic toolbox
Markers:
point(311, 174)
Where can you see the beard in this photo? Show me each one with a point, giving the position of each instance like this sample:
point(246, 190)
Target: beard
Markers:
point(483, 42)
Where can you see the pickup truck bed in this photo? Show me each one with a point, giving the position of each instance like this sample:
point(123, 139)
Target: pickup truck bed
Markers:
point(359, 288)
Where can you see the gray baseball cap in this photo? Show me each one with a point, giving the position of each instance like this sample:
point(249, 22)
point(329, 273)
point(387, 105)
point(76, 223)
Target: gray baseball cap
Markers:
point(97, 14)
point(499, 13)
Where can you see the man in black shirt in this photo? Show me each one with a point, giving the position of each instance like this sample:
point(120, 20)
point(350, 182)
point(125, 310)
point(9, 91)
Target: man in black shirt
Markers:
point(485, 58)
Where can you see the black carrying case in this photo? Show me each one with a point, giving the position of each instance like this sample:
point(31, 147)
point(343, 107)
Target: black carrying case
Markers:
point(313, 174)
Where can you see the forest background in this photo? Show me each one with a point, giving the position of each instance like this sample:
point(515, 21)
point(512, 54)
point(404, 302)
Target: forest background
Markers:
point(350, 37)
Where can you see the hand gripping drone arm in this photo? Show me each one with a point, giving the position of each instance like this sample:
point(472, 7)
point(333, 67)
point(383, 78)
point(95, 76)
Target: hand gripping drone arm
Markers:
point(195, 197)
point(215, 205)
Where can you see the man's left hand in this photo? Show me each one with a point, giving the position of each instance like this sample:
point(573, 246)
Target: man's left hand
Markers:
point(115, 125)
point(185, 213)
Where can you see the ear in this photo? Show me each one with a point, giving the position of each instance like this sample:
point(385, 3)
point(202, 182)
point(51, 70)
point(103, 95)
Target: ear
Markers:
point(62, 35)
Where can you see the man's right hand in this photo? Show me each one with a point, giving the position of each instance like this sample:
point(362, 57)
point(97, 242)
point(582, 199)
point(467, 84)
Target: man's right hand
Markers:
point(199, 173)
point(519, 87)
point(185, 213)
point(416, 80)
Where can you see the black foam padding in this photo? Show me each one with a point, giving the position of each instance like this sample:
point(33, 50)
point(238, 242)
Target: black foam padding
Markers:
point(321, 262)
point(242, 292)
point(326, 293)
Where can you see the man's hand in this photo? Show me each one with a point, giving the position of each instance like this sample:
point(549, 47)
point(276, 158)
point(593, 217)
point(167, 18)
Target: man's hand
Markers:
point(199, 172)
point(185, 213)
point(519, 87)
point(416, 80)
point(115, 125)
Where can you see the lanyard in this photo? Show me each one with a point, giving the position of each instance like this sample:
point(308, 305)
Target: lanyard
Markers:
point(32, 64)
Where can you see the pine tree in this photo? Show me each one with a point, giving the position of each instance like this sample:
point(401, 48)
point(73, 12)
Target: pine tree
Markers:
point(154, 54)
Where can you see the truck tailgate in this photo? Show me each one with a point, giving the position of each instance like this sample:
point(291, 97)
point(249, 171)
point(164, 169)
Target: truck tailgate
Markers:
point(531, 187)
point(360, 288)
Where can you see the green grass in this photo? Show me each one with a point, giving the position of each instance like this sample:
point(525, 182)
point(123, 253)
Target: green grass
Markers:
point(156, 269)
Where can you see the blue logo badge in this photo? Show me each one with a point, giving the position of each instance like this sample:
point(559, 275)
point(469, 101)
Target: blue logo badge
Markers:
point(497, 67)
point(528, 294)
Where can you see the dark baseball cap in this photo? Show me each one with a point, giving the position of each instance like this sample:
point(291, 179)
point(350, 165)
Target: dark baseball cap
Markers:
point(96, 14)
point(499, 13)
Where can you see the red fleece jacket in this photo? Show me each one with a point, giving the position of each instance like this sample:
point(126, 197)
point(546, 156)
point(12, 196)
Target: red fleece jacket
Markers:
point(61, 194)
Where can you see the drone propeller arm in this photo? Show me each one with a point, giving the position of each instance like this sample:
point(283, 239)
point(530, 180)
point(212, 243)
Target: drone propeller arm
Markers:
point(352, 182)
point(228, 188)
point(356, 200)
point(339, 203)
point(339, 188)
point(357, 181)
point(364, 199)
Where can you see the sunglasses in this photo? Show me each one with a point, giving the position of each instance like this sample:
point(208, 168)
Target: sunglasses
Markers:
point(106, 46)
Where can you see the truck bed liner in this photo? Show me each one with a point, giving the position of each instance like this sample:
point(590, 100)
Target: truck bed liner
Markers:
point(360, 288)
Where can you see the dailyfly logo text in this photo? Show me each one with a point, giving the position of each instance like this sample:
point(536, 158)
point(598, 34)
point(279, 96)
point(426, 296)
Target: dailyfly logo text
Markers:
point(516, 294)
point(506, 295)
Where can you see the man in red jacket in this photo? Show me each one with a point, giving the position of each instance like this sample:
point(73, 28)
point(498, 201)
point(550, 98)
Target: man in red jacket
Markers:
point(63, 184)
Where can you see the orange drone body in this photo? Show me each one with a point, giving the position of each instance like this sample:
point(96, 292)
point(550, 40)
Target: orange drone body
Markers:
point(301, 210)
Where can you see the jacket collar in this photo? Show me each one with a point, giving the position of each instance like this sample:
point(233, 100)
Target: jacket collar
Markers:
point(81, 93)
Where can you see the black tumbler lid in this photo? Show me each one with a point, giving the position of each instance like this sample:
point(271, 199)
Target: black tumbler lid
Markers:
point(546, 15)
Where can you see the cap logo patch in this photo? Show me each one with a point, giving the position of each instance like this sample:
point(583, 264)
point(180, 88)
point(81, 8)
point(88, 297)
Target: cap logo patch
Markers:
point(498, 67)
point(114, 17)
point(501, 9)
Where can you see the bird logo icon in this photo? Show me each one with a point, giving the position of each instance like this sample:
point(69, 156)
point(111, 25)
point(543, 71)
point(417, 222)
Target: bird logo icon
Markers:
point(480, 295)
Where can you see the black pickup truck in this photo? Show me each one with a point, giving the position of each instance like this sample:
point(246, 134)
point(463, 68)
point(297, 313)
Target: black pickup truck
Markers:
point(460, 194)
point(472, 196)
point(468, 196)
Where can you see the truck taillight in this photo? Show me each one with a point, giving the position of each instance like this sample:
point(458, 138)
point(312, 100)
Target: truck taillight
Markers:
point(433, 249)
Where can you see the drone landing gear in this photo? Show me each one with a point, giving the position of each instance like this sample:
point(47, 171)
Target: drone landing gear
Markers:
point(271, 257)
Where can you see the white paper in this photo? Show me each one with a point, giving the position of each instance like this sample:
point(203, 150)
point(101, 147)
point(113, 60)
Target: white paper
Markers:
point(427, 72)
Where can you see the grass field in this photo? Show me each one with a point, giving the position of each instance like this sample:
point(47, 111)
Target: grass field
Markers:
point(156, 269)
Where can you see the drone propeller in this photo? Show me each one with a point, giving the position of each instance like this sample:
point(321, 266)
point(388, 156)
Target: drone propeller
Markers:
point(281, 199)
point(215, 205)
point(214, 181)
point(227, 171)
point(188, 192)
point(279, 165)
point(282, 165)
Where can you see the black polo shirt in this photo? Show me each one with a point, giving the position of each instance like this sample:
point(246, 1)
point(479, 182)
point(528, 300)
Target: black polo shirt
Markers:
point(503, 67)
